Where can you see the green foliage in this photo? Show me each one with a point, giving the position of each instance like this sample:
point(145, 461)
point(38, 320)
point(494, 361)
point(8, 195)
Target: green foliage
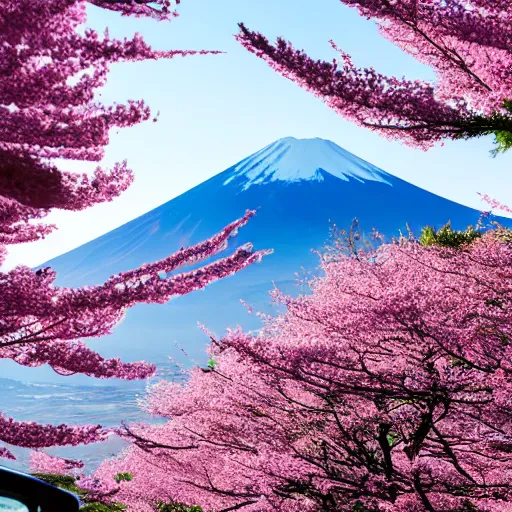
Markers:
point(360, 507)
point(504, 339)
point(469, 507)
point(63, 481)
point(494, 302)
point(502, 138)
point(175, 507)
point(447, 237)
point(392, 437)
point(69, 483)
point(503, 234)
point(123, 477)
point(459, 363)
point(498, 124)
point(502, 141)
point(97, 506)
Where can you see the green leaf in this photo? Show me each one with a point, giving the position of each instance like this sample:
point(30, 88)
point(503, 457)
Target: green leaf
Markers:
point(447, 237)
point(123, 477)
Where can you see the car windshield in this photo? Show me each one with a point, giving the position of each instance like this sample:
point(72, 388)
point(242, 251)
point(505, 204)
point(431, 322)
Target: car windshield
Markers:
point(10, 505)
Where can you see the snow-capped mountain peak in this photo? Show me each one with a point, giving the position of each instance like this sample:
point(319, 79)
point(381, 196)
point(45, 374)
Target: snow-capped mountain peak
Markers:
point(292, 160)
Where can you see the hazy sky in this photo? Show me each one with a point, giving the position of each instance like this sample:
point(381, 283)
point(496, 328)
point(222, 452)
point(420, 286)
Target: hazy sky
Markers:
point(216, 110)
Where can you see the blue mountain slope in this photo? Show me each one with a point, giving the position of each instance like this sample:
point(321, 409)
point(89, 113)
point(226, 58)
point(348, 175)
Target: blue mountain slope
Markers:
point(299, 188)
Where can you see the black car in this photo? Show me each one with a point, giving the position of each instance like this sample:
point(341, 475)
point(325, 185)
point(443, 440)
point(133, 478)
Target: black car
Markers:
point(24, 493)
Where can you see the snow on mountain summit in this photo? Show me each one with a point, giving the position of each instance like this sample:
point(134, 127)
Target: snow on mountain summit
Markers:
point(292, 160)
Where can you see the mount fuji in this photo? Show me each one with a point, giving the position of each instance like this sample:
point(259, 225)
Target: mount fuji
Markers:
point(299, 189)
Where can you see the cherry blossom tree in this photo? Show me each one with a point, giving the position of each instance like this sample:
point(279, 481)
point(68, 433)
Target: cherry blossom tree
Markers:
point(386, 389)
point(50, 73)
point(41, 462)
point(157, 9)
point(466, 42)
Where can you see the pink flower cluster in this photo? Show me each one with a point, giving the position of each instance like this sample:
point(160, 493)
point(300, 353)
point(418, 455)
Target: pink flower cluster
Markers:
point(30, 434)
point(157, 9)
point(466, 42)
point(50, 72)
point(386, 389)
point(6, 454)
point(41, 462)
point(494, 203)
point(41, 323)
point(50, 75)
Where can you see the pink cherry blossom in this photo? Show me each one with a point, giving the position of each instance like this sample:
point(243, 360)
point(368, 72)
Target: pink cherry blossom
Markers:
point(157, 9)
point(466, 42)
point(44, 322)
point(495, 203)
point(6, 454)
point(30, 434)
point(41, 462)
point(388, 388)
point(51, 72)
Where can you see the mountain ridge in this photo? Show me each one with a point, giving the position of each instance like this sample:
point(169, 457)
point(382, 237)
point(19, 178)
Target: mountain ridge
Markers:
point(233, 176)
point(294, 217)
point(290, 159)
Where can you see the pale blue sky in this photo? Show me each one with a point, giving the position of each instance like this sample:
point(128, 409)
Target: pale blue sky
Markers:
point(216, 110)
